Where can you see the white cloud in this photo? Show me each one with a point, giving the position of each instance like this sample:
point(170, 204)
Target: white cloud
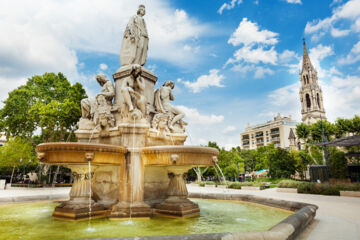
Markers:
point(287, 56)
point(257, 55)
point(229, 129)
point(294, 1)
point(259, 71)
point(103, 66)
point(317, 54)
point(248, 33)
point(229, 6)
point(284, 100)
point(195, 118)
point(262, 71)
point(44, 36)
point(205, 81)
point(339, 33)
point(350, 11)
point(353, 56)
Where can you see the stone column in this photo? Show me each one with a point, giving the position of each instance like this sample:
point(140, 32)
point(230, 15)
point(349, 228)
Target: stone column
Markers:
point(80, 205)
point(131, 184)
point(177, 204)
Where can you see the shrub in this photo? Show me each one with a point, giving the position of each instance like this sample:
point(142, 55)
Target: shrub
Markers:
point(235, 185)
point(288, 184)
point(325, 188)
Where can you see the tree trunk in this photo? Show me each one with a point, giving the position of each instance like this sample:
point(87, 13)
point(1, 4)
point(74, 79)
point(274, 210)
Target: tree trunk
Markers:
point(55, 176)
point(12, 174)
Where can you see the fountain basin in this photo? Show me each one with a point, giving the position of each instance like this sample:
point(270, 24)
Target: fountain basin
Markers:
point(68, 153)
point(179, 155)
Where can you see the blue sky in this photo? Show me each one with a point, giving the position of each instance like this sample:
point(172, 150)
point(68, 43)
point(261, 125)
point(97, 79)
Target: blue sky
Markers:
point(233, 61)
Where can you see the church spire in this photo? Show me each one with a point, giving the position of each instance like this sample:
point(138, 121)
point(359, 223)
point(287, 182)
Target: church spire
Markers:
point(306, 63)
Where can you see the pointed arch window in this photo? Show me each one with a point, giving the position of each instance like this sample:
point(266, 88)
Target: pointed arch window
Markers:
point(318, 99)
point(307, 77)
point(304, 79)
point(308, 101)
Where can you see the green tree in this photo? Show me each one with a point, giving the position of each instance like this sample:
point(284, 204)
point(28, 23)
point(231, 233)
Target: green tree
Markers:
point(320, 127)
point(48, 102)
point(15, 153)
point(337, 164)
point(303, 131)
point(342, 127)
point(235, 164)
point(281, 164)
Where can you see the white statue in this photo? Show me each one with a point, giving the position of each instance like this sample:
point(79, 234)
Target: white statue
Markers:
point(88, 106)
point(163, 96)
point(132, 92)
point(134, 45)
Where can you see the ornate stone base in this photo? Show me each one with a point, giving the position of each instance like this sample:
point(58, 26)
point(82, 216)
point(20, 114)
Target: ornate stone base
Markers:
point(79, 210)
point(177, 207)
point(130, 210)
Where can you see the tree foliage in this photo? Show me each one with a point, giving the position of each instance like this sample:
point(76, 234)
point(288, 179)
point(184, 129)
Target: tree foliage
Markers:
point(281, 164)
point(48, 102)
point(16, 152)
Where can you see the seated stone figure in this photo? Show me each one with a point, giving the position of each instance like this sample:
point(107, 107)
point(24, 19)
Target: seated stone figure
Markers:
point(89, 106)
point(132, 92)
point(108, 91)
point(103, 118)
point(165, 110)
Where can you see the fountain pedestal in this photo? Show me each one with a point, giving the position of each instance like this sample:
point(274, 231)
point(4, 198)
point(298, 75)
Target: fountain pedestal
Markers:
point(177, 204)
point(131, 190)
point(78, 207)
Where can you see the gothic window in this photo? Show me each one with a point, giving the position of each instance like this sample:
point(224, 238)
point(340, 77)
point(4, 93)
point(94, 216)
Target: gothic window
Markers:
point(304, 79)
point(307, 77)
point(318, 99)
point(308, 101)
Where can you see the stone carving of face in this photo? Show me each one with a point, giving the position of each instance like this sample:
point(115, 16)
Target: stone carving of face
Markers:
point(101, 79)
point(141, 11)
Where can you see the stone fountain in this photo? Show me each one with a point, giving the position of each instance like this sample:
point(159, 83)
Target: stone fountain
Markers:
point(130, 159)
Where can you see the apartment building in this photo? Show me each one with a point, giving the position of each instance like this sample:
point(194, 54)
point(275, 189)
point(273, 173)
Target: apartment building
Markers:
point(277, 131)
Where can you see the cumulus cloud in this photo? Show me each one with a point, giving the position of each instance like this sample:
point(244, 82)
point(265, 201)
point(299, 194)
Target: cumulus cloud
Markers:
point(349, 11)
point(229, 129)
point(294, 1)
point(45, 36)
point(229, 6)
point(257, 55)
point(248, 33)
point(103, 66)
point(205, 81)
point(194, 117)
point(353, 56)
point(287, 56)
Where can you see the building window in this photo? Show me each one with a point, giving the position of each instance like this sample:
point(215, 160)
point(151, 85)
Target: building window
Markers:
point(308, 101)
point(318, 100)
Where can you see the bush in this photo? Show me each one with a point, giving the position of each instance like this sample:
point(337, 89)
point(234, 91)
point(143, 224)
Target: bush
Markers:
point(288, 184)
point(325, 188)
point(238, 185)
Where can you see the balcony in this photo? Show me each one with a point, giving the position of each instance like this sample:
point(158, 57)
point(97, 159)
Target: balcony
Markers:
point(275, 132)
point(245, 143)
point(260, 141)
point(275, 139)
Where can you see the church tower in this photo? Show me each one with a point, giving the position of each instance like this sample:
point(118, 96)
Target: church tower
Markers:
point(312, 106)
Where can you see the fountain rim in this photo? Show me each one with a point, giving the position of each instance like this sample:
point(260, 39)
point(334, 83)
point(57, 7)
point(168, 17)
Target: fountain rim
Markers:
point(180, 149)
point(79, 146)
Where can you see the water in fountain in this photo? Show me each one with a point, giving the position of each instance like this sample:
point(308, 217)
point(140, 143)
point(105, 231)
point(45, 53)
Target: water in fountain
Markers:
point(222, 175)
point(90, 193)
point(92, 134)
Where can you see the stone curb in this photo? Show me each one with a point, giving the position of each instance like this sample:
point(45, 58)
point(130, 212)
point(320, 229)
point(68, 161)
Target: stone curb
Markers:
point(33, 198)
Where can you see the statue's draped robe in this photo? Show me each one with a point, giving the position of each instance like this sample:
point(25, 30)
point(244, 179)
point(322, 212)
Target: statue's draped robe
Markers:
point(134, 52)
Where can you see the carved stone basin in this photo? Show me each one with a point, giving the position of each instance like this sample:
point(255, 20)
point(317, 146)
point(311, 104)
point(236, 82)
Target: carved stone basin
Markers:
point(179, 155)
point(70, 153)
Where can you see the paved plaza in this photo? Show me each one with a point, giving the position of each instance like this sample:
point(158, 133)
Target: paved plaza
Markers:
point(336, 218)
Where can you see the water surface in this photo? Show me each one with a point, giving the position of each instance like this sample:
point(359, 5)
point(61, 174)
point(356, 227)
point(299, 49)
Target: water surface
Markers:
point(34, 221)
